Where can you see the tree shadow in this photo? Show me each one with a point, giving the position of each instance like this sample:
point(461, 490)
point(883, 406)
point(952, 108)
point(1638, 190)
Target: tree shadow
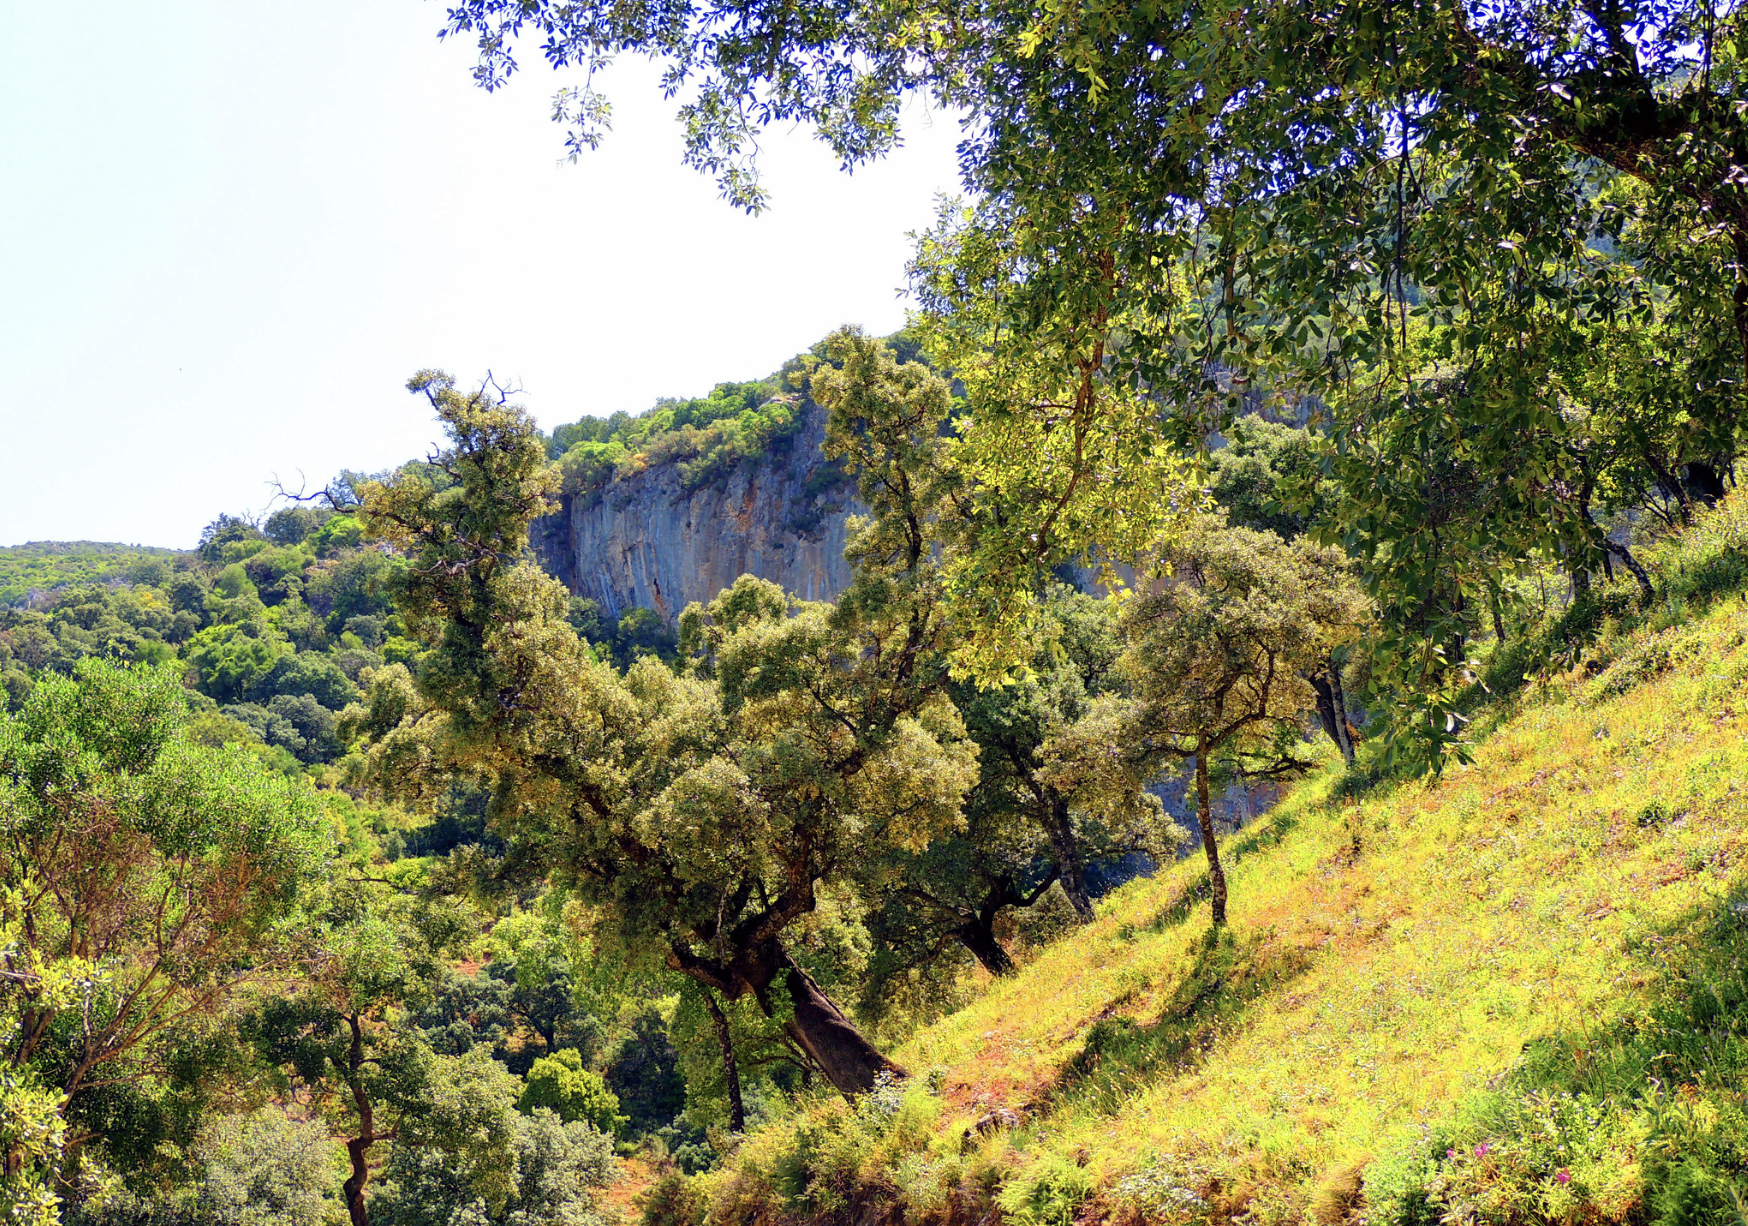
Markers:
point(1695, 1030)
point(1259, 836)
point(1121, 1056)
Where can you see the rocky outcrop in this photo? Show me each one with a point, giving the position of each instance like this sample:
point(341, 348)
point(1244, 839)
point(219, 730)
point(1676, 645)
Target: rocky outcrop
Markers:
point(646, 541)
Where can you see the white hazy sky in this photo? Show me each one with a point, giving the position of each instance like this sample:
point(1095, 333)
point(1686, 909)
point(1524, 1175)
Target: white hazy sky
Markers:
point(230, 229)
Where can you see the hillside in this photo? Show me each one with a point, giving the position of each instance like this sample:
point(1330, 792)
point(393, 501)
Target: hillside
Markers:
point(41, 566)
point(1515, 994)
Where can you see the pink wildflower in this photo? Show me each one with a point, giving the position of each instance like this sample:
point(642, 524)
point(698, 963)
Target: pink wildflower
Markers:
point(1562, 1176)
point(1482, 1149)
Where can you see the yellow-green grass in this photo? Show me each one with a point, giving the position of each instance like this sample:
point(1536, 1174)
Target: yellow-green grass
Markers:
point(1386, 955)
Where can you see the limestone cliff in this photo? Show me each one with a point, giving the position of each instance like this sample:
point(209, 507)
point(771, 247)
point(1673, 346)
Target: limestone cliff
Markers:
point(645, 540)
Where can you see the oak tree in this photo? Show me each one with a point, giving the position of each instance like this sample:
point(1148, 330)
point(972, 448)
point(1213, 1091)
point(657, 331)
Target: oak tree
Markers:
point(1218, 658)
point(697, 811)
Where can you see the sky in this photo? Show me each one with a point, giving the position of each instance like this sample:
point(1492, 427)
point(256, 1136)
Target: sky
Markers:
point(231, 229)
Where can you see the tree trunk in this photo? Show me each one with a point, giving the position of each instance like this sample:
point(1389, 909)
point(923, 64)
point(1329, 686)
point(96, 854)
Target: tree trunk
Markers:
point(1071, 871)
point(737, 1112)
point(353, 1189)
point(1205, 818)
point(818, 1027)
point(1338, 699)
point(848, 1060)
point(1647, 593)
point(1705, 481)
point(1325, 705)
point(358, 1148)
point(1669, 481)
point(977, 934)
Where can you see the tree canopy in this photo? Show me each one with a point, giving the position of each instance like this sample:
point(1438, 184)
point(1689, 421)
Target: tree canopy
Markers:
point(1417, 220)
point(700, 810)
point(158, 871)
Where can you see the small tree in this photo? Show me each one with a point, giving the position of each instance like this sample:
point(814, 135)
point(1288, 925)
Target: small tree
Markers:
point(552, 1175)
point(1218, 658)
point(346, 1043)
point(1027, 827)
point(266, 1169)
point(562, 1085)
point(159, 874)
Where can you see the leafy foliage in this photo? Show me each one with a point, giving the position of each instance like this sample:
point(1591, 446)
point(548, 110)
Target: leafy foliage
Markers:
point(158, 871)
point(555, 1171)
point(559, 1083)
point(267, 1170)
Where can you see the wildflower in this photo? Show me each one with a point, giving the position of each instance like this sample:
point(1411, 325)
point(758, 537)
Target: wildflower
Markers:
point(1482, 1149)
point(1562, 1176)
point(1451, 1154)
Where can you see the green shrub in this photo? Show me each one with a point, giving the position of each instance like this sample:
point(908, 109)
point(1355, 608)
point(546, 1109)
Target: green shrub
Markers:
point(672, 1201)
point(560, 1083)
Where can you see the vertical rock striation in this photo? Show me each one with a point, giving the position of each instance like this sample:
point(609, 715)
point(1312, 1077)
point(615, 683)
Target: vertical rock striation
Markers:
point(644, 540)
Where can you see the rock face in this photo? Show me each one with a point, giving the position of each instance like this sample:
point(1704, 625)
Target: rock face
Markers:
point(645, 541)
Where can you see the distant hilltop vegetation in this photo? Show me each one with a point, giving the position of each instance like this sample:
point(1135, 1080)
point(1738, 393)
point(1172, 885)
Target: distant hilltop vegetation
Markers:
point(673, 505)
point(42, 566)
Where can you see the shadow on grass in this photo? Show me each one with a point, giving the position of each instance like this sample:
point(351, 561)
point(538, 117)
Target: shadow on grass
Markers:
point(1260, 836)
point(1670, 1073)
point(1695, 1032)
point(1120, 1056)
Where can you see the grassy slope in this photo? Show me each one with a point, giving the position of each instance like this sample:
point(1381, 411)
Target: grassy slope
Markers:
point(1387, 956)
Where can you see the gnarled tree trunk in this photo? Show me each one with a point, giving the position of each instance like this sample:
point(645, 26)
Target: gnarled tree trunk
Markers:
point(358, 1147)
point(977, 934)
point(834, 1045)
point(1332, 709)
point(849, 1061)
point(1343, 730)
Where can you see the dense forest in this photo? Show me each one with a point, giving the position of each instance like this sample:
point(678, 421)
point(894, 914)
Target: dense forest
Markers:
point(1338, 405)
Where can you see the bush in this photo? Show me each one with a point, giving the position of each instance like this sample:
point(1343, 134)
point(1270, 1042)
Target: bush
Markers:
point(307, 673)
point(1049, 1194)
point(232, 660)
point(289, 525)
point(557, 1169)
point(267, 1170)
point(560, 1084)
point(672, 1201)
point(337, 534)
